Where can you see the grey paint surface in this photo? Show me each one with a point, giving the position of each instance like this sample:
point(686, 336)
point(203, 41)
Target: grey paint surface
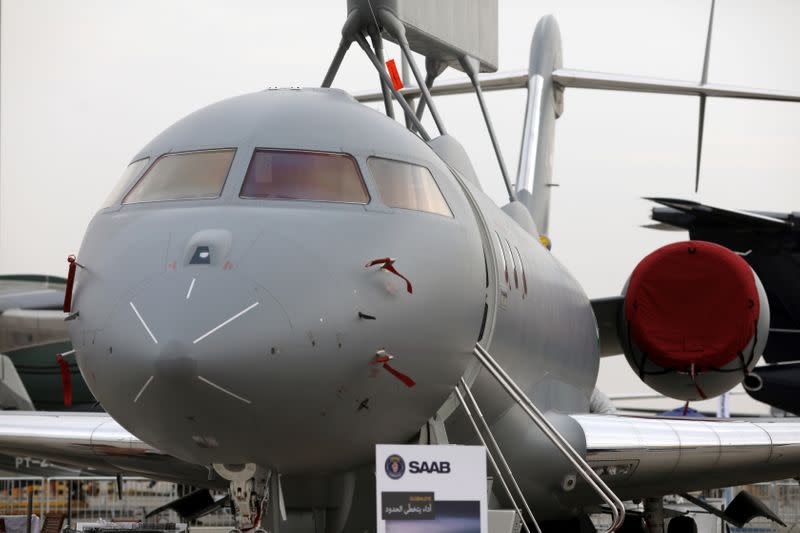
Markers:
point(303, 262)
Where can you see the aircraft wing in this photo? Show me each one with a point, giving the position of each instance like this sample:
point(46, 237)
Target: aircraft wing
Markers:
point(583, 79)
point(31, 311)
point(93, 441)
point(658, 455)
point(686, 213)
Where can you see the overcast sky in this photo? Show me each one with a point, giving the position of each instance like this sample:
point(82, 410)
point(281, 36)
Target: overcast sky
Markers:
point(86, 83)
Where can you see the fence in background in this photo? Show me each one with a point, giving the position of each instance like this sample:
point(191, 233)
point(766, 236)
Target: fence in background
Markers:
point(89, 499)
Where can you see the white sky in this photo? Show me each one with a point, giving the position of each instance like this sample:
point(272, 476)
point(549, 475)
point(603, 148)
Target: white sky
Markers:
point(85, 84)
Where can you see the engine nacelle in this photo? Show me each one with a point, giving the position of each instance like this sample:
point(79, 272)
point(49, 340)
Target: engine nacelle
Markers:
point(695, 320)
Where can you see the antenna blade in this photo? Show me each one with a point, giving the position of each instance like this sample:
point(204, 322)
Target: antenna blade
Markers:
point(704, 76)
point(700, 125)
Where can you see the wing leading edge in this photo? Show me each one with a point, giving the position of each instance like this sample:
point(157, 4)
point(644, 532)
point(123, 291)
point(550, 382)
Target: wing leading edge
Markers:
point(639, 456)
point(91, 440)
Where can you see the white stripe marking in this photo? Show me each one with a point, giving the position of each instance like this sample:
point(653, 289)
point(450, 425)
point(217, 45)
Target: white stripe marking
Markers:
point(143, 323)
point(231, 319)
point(189, 294)
point(226, 391)
point(141, 391)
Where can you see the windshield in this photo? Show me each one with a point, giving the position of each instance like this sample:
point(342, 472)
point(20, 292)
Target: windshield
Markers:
point(296, 175)
point(131, 171)
point(407, 186)
point(182, 176)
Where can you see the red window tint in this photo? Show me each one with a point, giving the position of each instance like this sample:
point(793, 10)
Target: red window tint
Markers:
point(295, 175)
point(407, 186)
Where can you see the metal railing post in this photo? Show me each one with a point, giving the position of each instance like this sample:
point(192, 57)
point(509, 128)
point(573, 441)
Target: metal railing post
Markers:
point(552, 433)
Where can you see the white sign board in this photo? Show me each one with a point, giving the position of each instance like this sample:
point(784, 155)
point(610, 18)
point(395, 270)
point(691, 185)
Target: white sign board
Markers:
point(438, 489)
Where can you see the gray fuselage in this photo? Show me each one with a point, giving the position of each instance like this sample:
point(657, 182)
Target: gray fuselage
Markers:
point(260, 355)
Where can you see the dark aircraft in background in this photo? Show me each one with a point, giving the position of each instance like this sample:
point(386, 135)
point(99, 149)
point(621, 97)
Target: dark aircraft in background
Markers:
point(770, 243)
point(283, 279)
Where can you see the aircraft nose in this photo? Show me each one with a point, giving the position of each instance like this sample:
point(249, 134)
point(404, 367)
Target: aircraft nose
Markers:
point(190, 333)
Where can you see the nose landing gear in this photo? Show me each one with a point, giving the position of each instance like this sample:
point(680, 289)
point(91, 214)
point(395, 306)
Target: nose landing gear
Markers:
point(249, 490)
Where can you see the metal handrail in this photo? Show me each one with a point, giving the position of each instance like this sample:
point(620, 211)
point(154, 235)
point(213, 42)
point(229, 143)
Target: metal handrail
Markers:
point(552, 433)
point(493, 461)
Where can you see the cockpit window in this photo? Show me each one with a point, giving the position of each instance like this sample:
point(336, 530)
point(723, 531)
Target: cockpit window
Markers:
point(132, 170)
point(183, 175)
point(407, 186)
point(297, 175)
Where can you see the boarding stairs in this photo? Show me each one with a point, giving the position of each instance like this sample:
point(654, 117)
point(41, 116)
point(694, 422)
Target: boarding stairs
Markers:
point(522, 511)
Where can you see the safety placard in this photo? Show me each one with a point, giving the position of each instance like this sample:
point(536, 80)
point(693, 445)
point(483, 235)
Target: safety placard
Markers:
point(431, 488)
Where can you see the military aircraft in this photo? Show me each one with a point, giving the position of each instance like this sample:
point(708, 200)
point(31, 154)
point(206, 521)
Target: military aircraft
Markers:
point(283, 279)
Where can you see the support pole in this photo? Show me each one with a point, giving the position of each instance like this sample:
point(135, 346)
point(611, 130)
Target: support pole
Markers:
point(344, 45)
point(469, 67)
point(395, 27)
point(502, 457)
point(69, 504)
point(362, 42)
point(654, 514)
point(30, 508)
point(433, 67)
point(406, 76)
point(377, 44)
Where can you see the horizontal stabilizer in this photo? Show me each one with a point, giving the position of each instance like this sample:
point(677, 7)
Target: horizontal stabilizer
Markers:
point(584, 79)
point(497, 81)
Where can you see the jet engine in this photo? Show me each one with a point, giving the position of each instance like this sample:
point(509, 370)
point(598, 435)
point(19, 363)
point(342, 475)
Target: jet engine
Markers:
point(695, 320)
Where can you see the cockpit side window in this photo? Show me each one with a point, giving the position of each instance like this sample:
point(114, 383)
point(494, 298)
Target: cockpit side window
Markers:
point(407, 186)
point(132, 170)
point(299, 175)
point(182, 176)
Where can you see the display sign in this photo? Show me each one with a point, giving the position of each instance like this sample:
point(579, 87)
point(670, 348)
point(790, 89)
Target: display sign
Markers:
point(438, 488)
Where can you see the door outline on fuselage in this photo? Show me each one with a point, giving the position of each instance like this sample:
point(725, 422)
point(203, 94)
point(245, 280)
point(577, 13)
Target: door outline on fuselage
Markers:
point(493, 281)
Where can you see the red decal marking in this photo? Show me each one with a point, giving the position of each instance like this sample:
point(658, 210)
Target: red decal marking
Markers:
point(66, 379)
point(227, 266)
point(387, 264)
point(399, 375)
point(172, 265)
point(70, 282)
point(383, 358)
point(397, 81)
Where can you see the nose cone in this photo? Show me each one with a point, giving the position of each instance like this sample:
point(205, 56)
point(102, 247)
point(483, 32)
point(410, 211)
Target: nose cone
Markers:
point(174, 358)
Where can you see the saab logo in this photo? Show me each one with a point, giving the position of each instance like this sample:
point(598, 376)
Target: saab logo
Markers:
point(424, 467)
point(395, 466)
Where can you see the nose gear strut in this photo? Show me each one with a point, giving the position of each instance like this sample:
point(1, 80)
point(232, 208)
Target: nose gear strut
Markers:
point(249, 490)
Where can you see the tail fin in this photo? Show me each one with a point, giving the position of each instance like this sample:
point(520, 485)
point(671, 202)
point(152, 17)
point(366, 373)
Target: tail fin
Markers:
point(545, 104)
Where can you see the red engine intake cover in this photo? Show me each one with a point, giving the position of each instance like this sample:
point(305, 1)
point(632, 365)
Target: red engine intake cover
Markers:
point(692, 302)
